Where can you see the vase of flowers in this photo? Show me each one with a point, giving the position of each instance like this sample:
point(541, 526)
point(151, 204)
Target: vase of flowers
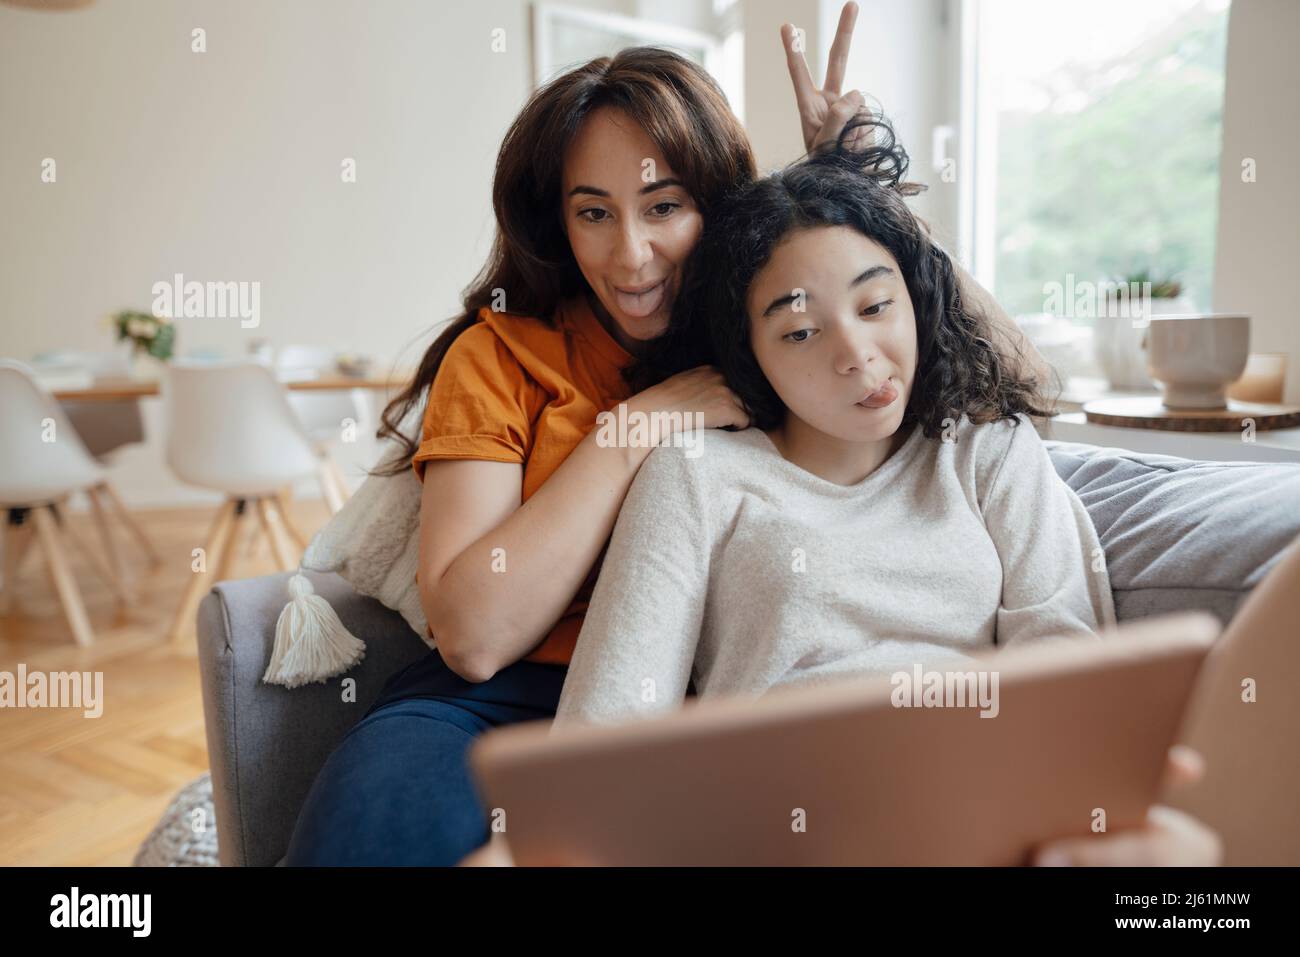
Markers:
point(146, 334)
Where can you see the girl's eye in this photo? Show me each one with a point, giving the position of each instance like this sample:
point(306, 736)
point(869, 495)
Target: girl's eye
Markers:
point(799, 335)
point(593, 215)
point(664, 208)
point(877, 309)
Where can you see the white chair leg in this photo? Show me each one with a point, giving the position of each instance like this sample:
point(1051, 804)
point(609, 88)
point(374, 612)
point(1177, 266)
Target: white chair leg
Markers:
point(216, 542)
point(56, 558)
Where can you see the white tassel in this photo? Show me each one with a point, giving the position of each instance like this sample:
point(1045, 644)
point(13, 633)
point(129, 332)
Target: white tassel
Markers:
point(311, 643)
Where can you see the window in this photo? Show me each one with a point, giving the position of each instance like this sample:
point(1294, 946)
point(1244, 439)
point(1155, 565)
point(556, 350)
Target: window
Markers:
point(1096, 141)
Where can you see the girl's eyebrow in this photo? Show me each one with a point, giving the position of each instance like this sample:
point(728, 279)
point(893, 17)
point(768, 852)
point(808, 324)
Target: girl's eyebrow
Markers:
point(648, 188)
point(780, 301)
point(865, 276)
point(872, 273)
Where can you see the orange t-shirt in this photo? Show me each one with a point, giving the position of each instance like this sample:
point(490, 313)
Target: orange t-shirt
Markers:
point(513, 389)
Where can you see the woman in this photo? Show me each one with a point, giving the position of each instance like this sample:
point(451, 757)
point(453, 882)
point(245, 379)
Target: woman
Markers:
point(518, 499)
point(892, 504)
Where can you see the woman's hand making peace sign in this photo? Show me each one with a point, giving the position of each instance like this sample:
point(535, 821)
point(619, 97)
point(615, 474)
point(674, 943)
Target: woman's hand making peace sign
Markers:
point(823, 113)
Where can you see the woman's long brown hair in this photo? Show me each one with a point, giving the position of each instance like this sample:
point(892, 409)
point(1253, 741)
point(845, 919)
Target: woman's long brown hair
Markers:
point(531, 265)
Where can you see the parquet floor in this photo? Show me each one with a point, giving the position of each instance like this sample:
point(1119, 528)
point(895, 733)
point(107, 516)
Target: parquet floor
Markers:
point(86, 791)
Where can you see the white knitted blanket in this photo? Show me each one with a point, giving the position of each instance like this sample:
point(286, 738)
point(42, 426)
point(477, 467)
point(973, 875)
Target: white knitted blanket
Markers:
point(374, 543)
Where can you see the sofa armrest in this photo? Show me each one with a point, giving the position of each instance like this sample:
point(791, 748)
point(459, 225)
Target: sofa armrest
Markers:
point(1181, 534)
point(266, 743)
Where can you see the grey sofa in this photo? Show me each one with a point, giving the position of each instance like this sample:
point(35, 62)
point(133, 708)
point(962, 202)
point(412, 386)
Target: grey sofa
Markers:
point(1178, 535)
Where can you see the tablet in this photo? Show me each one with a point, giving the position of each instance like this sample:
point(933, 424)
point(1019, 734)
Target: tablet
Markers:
point(974, 765)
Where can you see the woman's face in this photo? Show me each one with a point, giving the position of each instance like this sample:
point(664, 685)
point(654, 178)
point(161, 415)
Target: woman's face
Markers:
point(630, 223)
point(831, 320)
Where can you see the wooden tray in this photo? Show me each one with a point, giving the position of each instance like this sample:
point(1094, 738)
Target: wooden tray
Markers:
point(1148, 412)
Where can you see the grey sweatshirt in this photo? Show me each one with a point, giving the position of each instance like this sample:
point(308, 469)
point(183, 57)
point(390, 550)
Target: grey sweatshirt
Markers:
point(735, 567)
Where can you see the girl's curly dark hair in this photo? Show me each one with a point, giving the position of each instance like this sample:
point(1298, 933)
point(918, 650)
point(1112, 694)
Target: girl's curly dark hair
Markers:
point(959, 369)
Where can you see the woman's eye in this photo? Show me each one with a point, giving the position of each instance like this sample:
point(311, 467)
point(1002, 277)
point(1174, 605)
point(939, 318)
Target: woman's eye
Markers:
point(799, 335)
point(593, 215)
point(665, 208)
point(877, 309)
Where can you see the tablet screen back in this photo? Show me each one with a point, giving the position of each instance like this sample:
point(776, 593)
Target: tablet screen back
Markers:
point(863, 771)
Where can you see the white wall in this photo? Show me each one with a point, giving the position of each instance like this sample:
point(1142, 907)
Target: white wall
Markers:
point(1259, 222)
point(771, 116)
point(225, 165)
point(905, 57)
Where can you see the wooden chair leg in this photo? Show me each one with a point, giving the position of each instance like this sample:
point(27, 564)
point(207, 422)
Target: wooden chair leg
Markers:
point(17, 530)
point(112, 574)
point(333, 494)
point(24, 544)
point(251, 542)
point(282, 499)
point(290, 540)
point(106, 575)
point(56, 558)
point(340, 480)
point(283, 551)
point(8, 540)
point(216, 542)
point(222, 570)
point(132, 526)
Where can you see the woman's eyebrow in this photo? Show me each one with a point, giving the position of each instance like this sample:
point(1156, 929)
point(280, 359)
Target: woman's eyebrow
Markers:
point(660, 184)
point(648, 188)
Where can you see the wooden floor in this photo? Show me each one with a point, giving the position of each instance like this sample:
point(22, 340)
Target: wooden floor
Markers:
point(86, 791)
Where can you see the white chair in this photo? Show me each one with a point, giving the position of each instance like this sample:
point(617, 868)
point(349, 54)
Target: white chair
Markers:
point(230, 428)
point(105, 427)
point(322, 413)
point(45, 462)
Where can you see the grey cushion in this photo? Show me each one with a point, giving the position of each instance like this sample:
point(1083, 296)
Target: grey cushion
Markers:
point(1181, 534)
point(266, 742)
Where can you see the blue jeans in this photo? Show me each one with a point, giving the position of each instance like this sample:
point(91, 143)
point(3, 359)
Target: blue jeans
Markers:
point(397, 790)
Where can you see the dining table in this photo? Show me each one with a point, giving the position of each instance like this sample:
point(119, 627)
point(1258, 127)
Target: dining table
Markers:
point(115, 388)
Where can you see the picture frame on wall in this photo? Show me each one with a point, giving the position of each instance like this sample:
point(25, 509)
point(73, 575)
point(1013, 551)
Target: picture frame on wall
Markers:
point(565, 36)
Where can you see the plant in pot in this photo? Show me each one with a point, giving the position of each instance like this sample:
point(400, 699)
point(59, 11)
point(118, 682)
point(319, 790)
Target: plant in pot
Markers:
point(1119, 336)
point(146, 334)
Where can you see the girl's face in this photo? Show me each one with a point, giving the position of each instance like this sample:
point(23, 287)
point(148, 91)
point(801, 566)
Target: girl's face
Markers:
point(830, 321)
point(631, 223)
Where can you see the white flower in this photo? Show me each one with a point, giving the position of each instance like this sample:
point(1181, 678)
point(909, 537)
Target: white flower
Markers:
point(137, 328)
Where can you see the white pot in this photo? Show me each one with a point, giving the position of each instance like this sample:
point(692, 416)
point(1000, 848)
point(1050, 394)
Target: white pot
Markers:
point(1118, 345)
